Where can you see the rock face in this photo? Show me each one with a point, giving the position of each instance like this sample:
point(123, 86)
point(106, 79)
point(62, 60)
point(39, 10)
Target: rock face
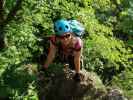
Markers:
point(61, 86)
point(115, 94)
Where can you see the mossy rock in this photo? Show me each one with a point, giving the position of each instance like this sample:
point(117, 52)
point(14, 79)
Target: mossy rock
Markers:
point(61, 86)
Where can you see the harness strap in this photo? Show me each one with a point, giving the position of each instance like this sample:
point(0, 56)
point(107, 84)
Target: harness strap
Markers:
point(53, 40)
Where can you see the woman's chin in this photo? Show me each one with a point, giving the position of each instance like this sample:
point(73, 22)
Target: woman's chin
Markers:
point(65, 44)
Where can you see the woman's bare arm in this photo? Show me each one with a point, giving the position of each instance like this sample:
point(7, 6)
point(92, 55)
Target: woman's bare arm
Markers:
point(51, 55)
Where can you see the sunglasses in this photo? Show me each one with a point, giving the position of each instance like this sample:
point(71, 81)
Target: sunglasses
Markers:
point(64, 36)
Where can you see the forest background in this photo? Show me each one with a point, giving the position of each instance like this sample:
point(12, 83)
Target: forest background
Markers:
point(26, 24)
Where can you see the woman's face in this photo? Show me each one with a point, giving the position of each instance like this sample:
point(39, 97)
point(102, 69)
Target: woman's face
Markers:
point(66, 38)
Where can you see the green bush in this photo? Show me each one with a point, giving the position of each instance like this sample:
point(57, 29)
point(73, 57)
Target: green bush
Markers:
point(124, 81)
point(107, 42)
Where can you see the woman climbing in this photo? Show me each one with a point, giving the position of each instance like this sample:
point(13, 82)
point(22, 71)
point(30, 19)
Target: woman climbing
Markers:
point(67, 44)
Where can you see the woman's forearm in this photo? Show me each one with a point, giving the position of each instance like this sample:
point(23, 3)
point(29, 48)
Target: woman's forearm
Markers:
point(51, 56)
point(77, 62)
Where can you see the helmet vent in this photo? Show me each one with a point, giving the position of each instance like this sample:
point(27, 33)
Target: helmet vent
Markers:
point(66, 26)
point(60, 28)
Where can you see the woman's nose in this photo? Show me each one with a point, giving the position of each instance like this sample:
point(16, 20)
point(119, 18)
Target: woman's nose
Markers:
point(65, 39)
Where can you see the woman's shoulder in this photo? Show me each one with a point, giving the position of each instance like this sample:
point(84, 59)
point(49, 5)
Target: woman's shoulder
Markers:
point(78, 44)
point(54, 40)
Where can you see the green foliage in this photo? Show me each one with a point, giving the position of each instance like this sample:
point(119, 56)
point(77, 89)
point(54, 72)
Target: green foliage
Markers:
point(8, 4)
point(104, 53)
point(124, 23)
point(107, 42)
point(126, 18)
point(125, 81)
point(18, 81)
point(22, 46)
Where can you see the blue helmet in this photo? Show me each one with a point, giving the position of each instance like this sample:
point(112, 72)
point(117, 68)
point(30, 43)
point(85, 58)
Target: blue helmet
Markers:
point(76, 27)
point(61, 26)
